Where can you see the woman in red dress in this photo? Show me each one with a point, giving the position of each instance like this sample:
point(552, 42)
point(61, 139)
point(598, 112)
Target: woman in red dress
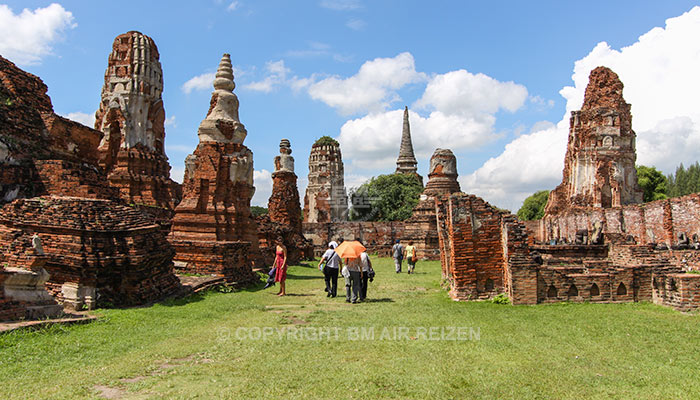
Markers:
point(281, 265)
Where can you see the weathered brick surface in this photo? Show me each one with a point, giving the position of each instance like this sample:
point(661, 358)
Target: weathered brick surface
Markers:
point(658, 221)
point(326, 199)
point(132, 117)
point(94, 243)
point(217, 189)
point(378, 237)
point(599, 167)
point(484, 250)
point(680, 291)
point(269, 233)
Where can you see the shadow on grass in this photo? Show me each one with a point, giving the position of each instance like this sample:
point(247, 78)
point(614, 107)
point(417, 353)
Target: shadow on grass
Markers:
point(382, 300)
point(182, 301)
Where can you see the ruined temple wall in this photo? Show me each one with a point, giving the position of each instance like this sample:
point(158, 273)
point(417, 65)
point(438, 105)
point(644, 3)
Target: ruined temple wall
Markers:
point(654, 222)
point(477, 254)
point(378, 237)
point(680, 291)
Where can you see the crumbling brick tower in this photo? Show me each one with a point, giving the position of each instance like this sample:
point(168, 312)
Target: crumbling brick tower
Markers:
point(421, 228)
point(132, 117)
point(326, 199)
point(283, 221)
point(599, 168)
point(213, 231)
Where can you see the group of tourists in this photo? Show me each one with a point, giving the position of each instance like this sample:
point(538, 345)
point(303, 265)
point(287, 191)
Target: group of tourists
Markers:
point(408, 253)
point(356, 268)
point(357, 272)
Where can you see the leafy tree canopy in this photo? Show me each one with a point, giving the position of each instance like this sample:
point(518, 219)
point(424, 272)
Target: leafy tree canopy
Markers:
point(326, 141)
point(652, 182)
point(385, 198)
point(257, 211)
point(533, 206)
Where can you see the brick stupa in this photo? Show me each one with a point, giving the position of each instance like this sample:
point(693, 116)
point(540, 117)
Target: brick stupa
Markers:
point(132, 117)
point(283, 221)
point(422, 226)
point(599, 168)
point(213, 231)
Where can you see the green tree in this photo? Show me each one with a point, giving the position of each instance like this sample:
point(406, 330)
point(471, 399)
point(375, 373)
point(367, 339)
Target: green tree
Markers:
point(257, 211)
point(533, 206)
point(326, 141)
point(385, 198)
point(652, 182)
point(683, 181)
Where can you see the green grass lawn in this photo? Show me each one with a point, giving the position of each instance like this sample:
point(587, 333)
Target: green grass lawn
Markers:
point(193, 348)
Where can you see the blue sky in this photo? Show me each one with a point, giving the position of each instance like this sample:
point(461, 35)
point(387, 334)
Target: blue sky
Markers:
point(494, 81)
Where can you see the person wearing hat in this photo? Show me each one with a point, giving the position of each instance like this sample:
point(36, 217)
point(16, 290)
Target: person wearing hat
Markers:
point(330, 271)
point(397, 254)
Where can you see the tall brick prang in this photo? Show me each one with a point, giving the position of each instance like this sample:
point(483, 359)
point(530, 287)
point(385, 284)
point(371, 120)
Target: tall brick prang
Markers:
point(599, 168)
point(213, 230)
point(326, 199)
point(284, 206)
point(132, 117)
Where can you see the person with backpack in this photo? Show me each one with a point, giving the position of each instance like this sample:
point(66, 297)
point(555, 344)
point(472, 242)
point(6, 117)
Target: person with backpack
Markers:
point(330, 271)
point(411, 256)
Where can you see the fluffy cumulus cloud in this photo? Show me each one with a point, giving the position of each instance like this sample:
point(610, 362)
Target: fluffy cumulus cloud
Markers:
point(27, 37)
point(459, 109)
point(660, 74)
point(372, 89)
point(263, 187)
point(199, 82)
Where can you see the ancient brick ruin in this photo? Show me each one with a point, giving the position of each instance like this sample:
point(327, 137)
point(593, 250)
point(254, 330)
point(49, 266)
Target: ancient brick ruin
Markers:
point(595, 242)
point(213, 231)
point(132, 118)
point(97, 251)
point(283, 222)
point(326, 199)
point(421, 228)
point(95, 248)
point(599, 168)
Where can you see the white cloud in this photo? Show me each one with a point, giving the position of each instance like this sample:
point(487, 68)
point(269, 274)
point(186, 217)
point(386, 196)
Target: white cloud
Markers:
point(83, 118)
point(373, 88)
point(263, 187)
point(660, 74)
point(471, 95)
point(276, 75)
point(177, 173)
point(27, 37)
point(233, 6)
point(461, 114)
point(341, 5)
point(356, 24)
point(171, 122)
point(199, 82)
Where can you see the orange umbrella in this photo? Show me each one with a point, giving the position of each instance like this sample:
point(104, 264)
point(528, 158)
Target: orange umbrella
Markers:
point(350, 249)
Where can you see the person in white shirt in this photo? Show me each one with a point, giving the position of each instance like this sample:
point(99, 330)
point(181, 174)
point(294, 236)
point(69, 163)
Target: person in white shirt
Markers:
point(330, 271)
point(366, 268)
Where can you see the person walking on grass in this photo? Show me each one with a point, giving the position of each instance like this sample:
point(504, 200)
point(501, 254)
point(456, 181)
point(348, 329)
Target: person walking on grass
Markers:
point(366, 268)
point(411, 256)
point(281, 265)
point(397, 254)
point(330, 271)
